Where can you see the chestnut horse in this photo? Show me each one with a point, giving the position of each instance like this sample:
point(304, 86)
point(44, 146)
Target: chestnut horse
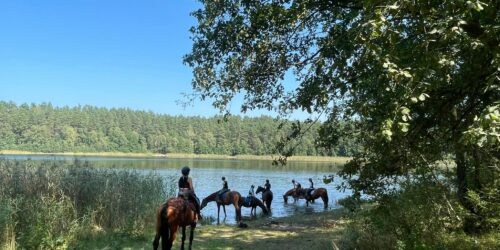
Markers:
point(267, 196)
point(253, 204)
point(292, 192)
point(175, 213)
point(229, 197)
point(316, 193)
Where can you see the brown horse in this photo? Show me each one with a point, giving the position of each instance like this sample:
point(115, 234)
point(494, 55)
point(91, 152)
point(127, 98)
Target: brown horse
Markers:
point(230, 197)
point(292, 192)
point(253, 204)
point(316, 193)
point(175, 213)
point(267, 196)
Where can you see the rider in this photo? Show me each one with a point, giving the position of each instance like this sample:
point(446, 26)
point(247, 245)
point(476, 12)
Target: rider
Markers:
point(224, 189)
point(251, 194)
point(311, 187)
point(251, 191)
point(186, 187)
point(267, 185)
point(296, 184)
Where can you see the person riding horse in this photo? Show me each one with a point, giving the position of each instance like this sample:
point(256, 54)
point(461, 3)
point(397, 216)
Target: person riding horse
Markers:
point(251, 195)
point(224, 189)
point(296, 185)
point(186, 189)
point(311, 188)
point(267, 186)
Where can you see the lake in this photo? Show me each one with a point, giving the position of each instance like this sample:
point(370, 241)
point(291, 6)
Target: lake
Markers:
point(240, 174)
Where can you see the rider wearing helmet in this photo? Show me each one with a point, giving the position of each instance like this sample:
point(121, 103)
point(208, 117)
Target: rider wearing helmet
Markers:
point(296, 184)
point(224, 189)
point(186, 187)
point(251, 192)
point(311, 187)
point(267, 185)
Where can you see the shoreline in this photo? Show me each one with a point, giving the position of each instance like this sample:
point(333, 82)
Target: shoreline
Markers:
point(338, 160)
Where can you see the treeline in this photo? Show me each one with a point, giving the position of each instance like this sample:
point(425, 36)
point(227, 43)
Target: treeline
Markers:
point(45, 128)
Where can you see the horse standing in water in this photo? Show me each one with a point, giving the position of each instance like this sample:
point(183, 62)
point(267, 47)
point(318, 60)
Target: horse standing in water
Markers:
point(267, 196)
point(229, 197)
point(175, 213)
point(316, 193)
point(253, 204)
point(292, 192)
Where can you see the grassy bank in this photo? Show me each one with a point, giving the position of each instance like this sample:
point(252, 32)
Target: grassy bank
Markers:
point(337, 160)
point(301, 231)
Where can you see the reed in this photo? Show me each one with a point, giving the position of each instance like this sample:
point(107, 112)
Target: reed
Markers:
point(50, 205)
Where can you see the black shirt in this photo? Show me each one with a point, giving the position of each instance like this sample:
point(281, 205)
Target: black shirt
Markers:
point(183, 182)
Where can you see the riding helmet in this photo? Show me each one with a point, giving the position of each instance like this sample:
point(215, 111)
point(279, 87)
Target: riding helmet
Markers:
point(185, 170)
point(223, 178)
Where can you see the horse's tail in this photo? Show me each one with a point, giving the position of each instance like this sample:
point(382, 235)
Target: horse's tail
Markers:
point(325, 199)
point(164, 227)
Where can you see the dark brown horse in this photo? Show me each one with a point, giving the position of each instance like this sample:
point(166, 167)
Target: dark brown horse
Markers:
point(230, 197)
point(175, 213)
point(253, 204)
point(316, 193)
point(292, 192)
point(267, 196)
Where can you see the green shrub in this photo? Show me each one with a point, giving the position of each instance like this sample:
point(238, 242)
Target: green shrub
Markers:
point(420, 214)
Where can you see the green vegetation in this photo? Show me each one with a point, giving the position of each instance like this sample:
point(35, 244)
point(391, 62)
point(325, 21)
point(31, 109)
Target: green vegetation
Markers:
point(416, 82)
point(44, 128)
point(53, 206)
point(301, 158)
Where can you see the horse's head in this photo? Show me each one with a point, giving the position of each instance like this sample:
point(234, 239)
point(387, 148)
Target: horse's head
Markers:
point(204, 203)
point(259, 189)
point(285, 198)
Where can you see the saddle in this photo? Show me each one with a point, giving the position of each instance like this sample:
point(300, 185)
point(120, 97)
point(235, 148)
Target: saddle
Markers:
point(221, 194)
point(248, 201)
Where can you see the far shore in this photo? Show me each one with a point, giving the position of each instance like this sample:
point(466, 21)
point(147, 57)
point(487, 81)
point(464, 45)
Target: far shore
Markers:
point(338, 160)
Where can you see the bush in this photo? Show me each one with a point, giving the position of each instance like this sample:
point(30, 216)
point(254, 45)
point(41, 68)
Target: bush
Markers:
point(420, 214)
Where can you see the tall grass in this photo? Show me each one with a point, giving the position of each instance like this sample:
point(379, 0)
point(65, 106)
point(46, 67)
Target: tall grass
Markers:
point(47, 205)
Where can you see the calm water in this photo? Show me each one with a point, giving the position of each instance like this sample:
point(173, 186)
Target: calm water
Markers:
point(240, 174)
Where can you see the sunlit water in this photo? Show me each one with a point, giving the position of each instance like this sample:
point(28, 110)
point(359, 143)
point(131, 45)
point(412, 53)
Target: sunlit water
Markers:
point(240, 174)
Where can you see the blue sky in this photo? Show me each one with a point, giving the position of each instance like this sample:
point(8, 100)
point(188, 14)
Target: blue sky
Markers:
point(105, 53)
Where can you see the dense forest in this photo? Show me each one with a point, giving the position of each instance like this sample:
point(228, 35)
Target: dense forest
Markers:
point(45, 128)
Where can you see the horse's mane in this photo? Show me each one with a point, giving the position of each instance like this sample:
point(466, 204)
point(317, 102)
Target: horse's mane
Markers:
point(290, 192)
point(211, 196)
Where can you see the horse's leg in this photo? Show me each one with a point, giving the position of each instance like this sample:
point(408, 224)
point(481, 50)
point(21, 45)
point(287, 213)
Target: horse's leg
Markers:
point(218, 212)
point(238, 212)
point(224, 208)
point(325, 200)
point(168, 243)
point(183, 237)
point(191, 235)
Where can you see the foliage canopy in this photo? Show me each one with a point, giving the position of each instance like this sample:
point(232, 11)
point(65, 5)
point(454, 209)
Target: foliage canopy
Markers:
point(420, 78)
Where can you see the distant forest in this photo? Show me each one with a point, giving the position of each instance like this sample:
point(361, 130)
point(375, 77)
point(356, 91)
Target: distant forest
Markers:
point(45, 128)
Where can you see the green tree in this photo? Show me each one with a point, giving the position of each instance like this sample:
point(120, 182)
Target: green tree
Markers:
point(420, 79)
